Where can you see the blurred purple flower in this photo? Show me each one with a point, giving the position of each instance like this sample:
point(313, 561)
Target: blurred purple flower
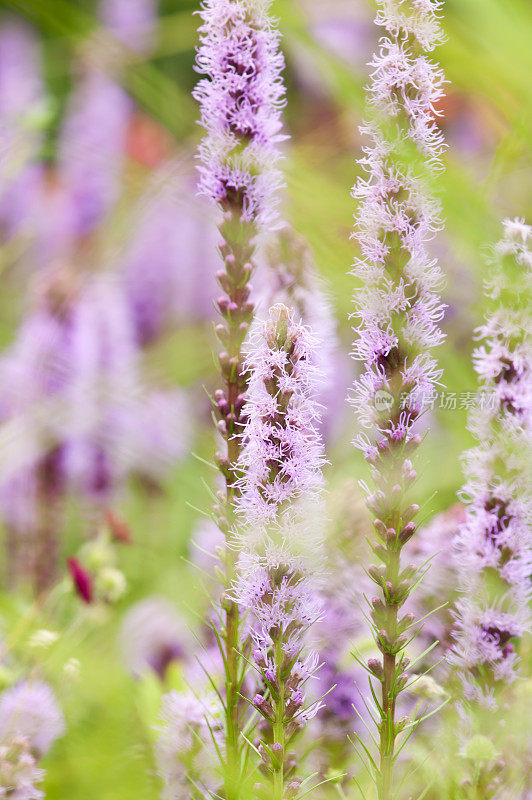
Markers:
point(344, 28)
point(22, 112)
point(104, 383)
point(205, 540)
point(91, 147)
point(132, 22)
point(153, 636)
point(168, 270)
point(21, 99)
point(432, 550)
point(30, 710)
point(159, 432)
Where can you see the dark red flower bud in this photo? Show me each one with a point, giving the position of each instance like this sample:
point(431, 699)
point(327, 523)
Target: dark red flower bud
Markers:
point(81, 579)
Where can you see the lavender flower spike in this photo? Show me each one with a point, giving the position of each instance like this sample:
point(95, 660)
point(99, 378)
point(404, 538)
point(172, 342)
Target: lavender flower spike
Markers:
point(241, 99)
point(241, 96)
point(398, 310)
point(280, 509)
point(287, 274)
point(282, 456)
point(495, 537)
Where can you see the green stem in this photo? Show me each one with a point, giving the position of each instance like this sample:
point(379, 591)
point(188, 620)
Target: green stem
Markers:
point(236, 312)
point(279, 732)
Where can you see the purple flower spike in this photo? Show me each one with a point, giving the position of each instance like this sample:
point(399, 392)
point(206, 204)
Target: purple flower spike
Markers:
point(398, 311)
point(241, 99)
point(281, 518)
point(494, 539)
point(240, 96)
point(282, 455)
point(287, 274)
point(21, 97)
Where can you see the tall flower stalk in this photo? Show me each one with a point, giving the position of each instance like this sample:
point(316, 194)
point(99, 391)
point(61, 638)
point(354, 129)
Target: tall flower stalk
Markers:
point(398, 310)
point(241, 97)
point(282, 550)
point(287, 274)
point(493, 548)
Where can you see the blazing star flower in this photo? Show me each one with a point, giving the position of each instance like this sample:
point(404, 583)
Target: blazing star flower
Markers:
point(241, 98)
point(278, 589)
point(81, 420)
point(398, 311)
point(282, 455)
point(287, 274)
point(183, 750)
point(30, 710)
point(282, 545)
point(102, 358)
point(493, 550)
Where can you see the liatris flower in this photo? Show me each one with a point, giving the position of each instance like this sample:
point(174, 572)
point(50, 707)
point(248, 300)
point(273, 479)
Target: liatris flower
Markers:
point(282, 541)
point(153, 637)
point(157, 432)
point(282, 456)
point(287, 274)
point(278, 589)
point(185, 751)
point(30, 710)
point(241, 97)
point(399, 310)
point(493, 547)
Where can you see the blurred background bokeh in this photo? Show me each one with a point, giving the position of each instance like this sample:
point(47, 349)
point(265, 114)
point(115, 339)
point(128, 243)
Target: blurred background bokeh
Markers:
point(107, 260)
